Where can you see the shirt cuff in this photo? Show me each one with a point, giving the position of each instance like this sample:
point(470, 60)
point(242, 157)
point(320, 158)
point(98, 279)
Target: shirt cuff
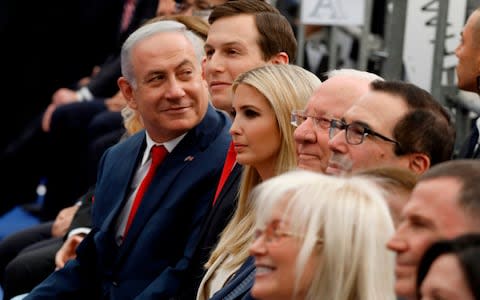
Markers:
point(79, 231)
point(84, 94)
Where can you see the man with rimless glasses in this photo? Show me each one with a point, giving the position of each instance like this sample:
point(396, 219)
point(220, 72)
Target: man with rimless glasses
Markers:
point(395, 124)
point(329, 101)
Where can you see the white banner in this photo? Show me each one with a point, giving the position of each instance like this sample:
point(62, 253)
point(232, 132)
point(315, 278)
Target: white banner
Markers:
point(332, 12)
point(419, 42)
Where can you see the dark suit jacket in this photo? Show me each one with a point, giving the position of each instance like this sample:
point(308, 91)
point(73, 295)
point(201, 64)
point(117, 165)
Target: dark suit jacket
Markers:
point(468, 146)
point(238, 288)
point(161, 239)
point(216, 220)
point(104, 84)
point(83, 216)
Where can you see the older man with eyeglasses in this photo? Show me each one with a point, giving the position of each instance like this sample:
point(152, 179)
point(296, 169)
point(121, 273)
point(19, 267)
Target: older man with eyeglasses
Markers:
point(395, 124)
point(329, 101)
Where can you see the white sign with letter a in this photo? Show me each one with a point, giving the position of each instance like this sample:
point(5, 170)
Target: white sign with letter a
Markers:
point(333, 12)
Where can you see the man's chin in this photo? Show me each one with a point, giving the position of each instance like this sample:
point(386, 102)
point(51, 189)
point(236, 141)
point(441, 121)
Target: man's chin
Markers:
point(335, 171)
point(221, 101)
point(405, 289)
point(310, 165)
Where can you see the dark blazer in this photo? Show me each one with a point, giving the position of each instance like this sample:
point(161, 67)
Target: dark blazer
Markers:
point(162, 237)
point(216, 220)
point(238, 288)
point(104, 83)
point(467, 149)
point(83, 216)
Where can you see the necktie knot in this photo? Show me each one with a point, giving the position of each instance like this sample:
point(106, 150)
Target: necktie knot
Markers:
point(158, 153)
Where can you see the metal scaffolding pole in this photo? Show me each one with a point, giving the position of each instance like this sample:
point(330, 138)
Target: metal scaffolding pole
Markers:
point(439, 52)
point(392, 68)
point(364, 51)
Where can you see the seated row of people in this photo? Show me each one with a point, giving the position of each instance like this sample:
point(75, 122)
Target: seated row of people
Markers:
point(354, 121)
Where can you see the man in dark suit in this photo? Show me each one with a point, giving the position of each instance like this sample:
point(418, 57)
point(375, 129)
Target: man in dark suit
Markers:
point(468, 73)
point(28, 257)
point(266, 38)
point(163, 82)
point(75, 108)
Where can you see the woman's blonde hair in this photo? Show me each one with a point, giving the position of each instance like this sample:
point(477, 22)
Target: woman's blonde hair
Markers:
point(349, 215)
point(132, 121)
point(286, 88)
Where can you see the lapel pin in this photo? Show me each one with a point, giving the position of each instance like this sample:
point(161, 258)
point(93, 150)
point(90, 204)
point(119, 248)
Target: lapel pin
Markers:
point(188, 158)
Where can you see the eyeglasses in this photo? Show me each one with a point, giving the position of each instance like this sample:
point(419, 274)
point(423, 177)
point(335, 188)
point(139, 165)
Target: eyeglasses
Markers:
point(272, 234)
point(299, 116)
point(355, 132)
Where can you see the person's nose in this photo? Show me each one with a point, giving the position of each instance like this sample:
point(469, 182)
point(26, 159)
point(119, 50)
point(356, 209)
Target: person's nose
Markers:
point(215, 63)
point(397, 243)
point(337, 143)
point(258, 248)
point(305, 133)
point(235, 127)
point(175, 89)
point(457, 50)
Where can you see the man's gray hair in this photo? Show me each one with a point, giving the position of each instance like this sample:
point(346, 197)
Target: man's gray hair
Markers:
point(149, 30)
point(354, 73)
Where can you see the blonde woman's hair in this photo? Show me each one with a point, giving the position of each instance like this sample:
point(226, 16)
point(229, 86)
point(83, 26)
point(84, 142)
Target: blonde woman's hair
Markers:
point(132, 120)
point(286, 88)
point(349, 215)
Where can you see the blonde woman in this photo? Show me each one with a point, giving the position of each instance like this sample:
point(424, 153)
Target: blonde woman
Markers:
point(263, 99)
point(321, 237)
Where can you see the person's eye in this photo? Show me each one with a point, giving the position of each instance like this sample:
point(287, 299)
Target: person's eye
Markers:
point(356, 129)
point(337, 124)
point(250, 113)
point(232, 51)
point(257, 233)
point(185, 74)
point(301, 118)
point(209, 53)
point(156, 78)
point(417, 223)
point(323, 122)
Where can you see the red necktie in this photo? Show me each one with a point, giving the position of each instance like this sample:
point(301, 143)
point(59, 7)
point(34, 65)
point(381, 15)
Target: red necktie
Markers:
point(128, 10)
point(227, 168)
point(158, 153)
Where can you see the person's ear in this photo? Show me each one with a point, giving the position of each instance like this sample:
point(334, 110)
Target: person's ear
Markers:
point(204, 65)
point(280, 58)
point(127, 91)
point(419, 163)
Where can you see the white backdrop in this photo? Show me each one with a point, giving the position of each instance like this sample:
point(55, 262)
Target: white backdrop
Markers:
point(418, 43)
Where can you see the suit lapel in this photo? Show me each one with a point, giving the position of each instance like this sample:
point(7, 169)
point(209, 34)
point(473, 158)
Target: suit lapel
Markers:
point(165, 177)
point(127, 165)
point(229, 184)
point(232, 178)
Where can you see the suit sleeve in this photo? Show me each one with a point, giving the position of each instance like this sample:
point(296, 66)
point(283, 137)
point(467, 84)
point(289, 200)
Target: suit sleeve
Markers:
point(104, 84)
point(83, 217)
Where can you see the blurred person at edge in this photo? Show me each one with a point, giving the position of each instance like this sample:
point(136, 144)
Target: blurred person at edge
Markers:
point(444, 204)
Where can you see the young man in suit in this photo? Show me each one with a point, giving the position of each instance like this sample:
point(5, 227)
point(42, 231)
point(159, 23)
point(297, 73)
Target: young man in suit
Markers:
point(145, 254)
point(243, 34)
